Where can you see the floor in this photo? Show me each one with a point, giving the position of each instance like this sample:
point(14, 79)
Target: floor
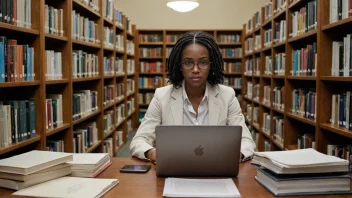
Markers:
point(125, 150)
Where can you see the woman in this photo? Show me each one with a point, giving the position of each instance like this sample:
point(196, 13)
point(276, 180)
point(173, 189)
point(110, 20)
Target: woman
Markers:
point(195, 70)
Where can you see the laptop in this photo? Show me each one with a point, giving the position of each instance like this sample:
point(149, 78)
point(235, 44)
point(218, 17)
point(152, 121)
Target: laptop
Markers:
point(197, 150)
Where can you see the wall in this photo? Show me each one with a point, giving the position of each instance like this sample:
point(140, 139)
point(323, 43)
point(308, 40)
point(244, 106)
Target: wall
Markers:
point(224, 14)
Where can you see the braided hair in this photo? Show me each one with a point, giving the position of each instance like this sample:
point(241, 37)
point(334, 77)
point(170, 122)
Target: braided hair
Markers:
point(216, 73)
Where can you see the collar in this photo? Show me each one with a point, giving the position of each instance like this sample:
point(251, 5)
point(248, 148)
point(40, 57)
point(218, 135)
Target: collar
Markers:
point(184, 94)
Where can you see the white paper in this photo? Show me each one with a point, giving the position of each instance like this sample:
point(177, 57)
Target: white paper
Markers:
point(301, 157)
point(175, 187)
point(70, 187)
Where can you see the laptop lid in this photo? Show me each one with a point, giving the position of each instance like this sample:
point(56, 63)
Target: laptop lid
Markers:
point(197, 150)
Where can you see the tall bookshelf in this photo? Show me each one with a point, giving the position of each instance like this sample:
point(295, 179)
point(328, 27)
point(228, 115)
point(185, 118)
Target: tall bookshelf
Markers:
point(152, 64)
point(309, 124)
point(105, 17)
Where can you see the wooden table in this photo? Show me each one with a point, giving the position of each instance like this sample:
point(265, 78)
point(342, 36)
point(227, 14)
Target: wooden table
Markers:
point(147, 185)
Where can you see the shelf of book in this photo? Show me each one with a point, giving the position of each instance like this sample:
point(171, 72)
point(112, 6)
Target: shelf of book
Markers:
point(53, 93)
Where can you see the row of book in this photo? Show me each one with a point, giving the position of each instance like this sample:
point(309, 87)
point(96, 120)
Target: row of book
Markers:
point(172, 38)
point(84, 64)
point(130, 86)
point(280, 31)
point(268, 11)
point(278, 129)
point(340, 9)
point(268, 37)
point(55, 145)
point(53, 61)
point(267, 95)
point(229, 38)
point(109, 96)
point(249, 92)
point(279, 97)
point(120, 113)
point(119, 44)
point(84, 29)
point(109, 66)
point(268, 65)
point(92, 4)
point(266, 122)
point(17, 121)
point(54, 111)
point(16, 61)
point(108, 38)
point(168, 51)
point(108, 9)
point(256, 92)
point(150, 82)
point(130, 47)
point(341, 57)
point(341, 151)
point(108, 146)
point(341, 110)
point(304, 103)
point(85, 135)
point(145, 98)
point(249, 44)
point(150, 52)
point(150, 67)
point(231, 53)
point(257, 42)
point(131, 106)
point(53, 20)
point(279, 5)
point(280, 64)
point(119, 91)
point(305, 19)
point(231, 67)
point(307, 140)
point(108, 122)
point(304, 61)
point(17, 13)
point(84, 103)
point(233, 82)
point(131, 66)
point(111, 69)
point(255, 116)
point(118, 18)
point(152, 38)
point(252, 66)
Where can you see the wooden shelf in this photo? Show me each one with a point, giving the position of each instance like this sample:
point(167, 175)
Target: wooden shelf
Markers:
point(18, 145)
point(278, 77)
point(64, 126)
point(297, 4)
point(55, 37)
point(119, 28)
point(282, 43)
point(92, 114)
point(86, 44)
point(256, 76)
point(108, 49)
point(120, 52)
point(265, 76)
point(232, 58)
point(266, 135)
point(336, 78)
point(109, 76)
point(19, 84)
point(277, 110)
point(82, 5)
point(233, 73)
point(52, 82)
point(148, 89)
point(108, 21)
point(151, 58)
point(18, 29)
point(143, 105)
point(292, 147)
point(267, 22)
point(119, 123)
point(131, 74)
point(120, 100)
point(92, 148)
point(256, 126)
point(278, 14)
point(278, 144)
point(107, 106)
point(337, 24)
point(266, 105)
point(130, 114)
point(229, 44)
point(86, 79)
point(119, 75)
point(302, 119)
point(301, 77)
point(266, 49)
point(130, 94)
point(152, 44)
point(341, 131)
point(109, 132)
point(152, 73)
point(303, 36)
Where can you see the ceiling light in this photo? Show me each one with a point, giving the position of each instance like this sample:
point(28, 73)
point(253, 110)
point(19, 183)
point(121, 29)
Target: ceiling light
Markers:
point(182, 5)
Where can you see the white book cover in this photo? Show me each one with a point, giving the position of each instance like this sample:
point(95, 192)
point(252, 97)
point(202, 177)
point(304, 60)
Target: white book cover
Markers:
point(177, 187)
point(70, 187)
point(33, 161)
point(88, 158)
point(301, 158)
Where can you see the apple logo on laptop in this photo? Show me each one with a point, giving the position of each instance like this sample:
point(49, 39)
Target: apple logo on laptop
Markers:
point(198, 150)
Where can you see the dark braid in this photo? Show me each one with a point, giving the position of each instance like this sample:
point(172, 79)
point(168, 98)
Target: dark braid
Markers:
point(216, 73)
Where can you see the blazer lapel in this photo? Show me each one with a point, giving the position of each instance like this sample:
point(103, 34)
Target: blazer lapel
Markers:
point(214, 104)
point(177, 106)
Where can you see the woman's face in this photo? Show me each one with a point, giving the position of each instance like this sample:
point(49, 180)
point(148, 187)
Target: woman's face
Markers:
point(195, 65)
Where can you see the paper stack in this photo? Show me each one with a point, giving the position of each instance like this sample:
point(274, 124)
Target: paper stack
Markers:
point(34, 167)
point(302, 172)
point(176, 187)
point(89, 164)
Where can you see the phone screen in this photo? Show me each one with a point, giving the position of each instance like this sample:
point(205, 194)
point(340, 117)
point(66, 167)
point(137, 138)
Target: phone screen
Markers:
point(135, 168)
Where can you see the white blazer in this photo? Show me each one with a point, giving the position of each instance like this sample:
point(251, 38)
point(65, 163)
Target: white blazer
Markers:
point(166, 108)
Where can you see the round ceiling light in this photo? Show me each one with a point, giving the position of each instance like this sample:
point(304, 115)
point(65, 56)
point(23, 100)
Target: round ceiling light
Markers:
point(182, 5)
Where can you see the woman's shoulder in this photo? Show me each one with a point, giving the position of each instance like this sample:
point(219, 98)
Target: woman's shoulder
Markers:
point(163, 91)
point(226, 90)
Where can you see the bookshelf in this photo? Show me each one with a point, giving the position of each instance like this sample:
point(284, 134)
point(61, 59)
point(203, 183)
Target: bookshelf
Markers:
point(71, 72)
point(312, 78)
point(154, 46)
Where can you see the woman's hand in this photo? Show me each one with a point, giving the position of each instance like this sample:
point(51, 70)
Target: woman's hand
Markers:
point(151, 154)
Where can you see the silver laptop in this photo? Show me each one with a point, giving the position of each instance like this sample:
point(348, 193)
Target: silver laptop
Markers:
point(197, 150)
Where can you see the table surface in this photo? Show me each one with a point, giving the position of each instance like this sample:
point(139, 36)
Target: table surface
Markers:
point(148, 185)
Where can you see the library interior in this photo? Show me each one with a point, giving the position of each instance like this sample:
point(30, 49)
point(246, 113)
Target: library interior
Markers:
point(88, 86)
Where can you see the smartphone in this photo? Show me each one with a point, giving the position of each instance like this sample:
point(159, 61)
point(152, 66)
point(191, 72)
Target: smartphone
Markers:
point(135, 168)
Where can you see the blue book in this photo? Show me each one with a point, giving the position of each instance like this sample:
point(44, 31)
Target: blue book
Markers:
point(304, 184)
point(2, 62)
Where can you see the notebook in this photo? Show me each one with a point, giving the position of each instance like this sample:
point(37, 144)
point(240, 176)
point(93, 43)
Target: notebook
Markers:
point(33, 161)
point(70, 187)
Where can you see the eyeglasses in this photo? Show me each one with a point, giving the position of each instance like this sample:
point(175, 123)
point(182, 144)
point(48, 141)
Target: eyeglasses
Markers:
point(201, 64)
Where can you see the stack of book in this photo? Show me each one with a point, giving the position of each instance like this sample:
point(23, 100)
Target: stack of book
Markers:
point(34, 167)
point(302, 172)
point(89, 164)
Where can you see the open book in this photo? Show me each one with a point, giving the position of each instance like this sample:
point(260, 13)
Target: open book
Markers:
point(300, 161)
point(175, 187)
